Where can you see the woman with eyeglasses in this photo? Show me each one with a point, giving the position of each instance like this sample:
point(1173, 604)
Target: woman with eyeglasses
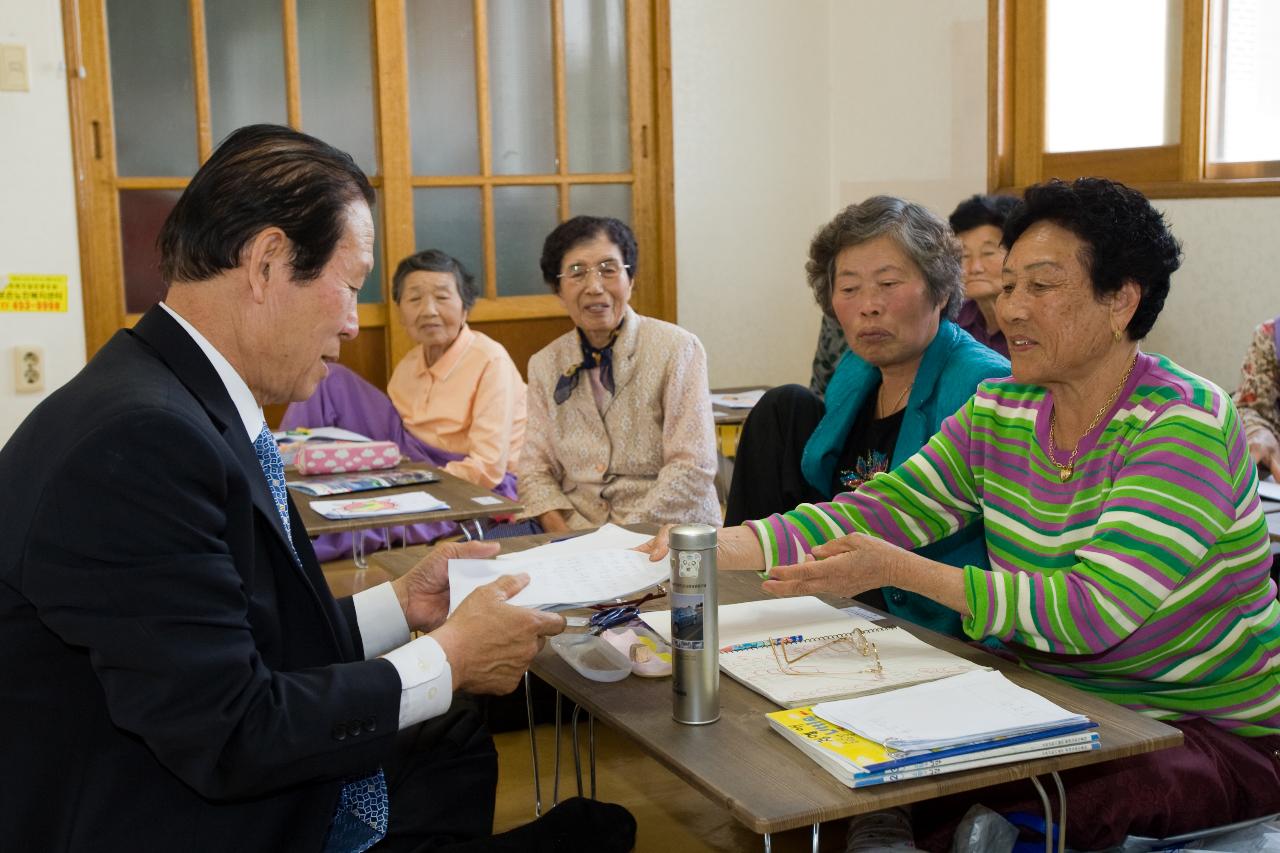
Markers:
point(620, 426)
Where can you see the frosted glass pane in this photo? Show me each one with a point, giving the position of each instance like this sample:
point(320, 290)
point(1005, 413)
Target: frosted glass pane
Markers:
point(448, 219)
point(522, 219)
point(1244, 81)
point(151, 87)
point(335, 61)
point(142, 213)
point(246, 64)
point(595, 85)
point(372, 291)
point(442, 87)
point(601, 200)
point(1112, 74)
point(521, 87)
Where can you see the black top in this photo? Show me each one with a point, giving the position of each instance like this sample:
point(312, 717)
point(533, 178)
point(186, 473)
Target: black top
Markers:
point(868, 450)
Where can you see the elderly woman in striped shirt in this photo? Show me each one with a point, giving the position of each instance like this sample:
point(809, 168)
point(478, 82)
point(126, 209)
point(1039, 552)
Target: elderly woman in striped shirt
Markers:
point(1129, 555)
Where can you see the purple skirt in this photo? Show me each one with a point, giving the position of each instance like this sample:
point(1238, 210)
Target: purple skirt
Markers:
point(345, 400)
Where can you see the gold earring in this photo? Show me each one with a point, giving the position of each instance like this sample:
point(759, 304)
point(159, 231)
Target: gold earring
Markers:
point(1115, 333)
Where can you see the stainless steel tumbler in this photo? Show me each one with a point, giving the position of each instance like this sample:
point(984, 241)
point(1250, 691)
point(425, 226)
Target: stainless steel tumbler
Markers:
point(695, 654)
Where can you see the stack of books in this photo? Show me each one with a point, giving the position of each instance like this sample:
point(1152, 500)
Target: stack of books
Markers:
point(959, 723)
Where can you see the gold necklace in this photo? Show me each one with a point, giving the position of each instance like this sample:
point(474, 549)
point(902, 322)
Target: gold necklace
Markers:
point(1065, 471)
point(897, 403)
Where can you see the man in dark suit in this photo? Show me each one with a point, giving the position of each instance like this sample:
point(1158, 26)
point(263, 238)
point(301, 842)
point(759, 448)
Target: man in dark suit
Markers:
point(174, 673)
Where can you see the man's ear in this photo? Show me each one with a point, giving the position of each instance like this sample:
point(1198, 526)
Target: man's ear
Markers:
point(266, 258)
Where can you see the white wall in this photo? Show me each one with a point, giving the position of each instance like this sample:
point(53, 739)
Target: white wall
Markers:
point(1229, 282)
point(37, 204)
point(751, 105)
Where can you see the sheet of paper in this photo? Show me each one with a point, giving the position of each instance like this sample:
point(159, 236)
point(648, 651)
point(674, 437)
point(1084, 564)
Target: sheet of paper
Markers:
point(1269, 490)
point(750, 621)
point(377, 505)
point(328, 433)
point(561, 580)
point(608, 536)
point(486, 500)
point(738, 400)
point(964, 708)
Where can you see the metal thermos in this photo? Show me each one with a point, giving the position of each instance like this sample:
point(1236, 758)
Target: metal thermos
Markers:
point(695, 654)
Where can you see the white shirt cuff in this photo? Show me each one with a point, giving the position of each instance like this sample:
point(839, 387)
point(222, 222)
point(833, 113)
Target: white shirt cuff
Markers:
point(381, 620)
point(426, 680)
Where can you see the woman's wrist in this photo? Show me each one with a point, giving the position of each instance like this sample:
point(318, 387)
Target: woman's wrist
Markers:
point(739, 549)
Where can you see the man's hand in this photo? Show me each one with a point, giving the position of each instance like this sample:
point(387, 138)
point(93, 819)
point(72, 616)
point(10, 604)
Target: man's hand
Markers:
point(424, 590)
point(846, 567)
point(490, 643)
point(1265, 451)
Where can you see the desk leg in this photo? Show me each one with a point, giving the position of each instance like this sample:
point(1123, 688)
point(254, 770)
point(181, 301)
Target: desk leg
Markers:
point(533, 746)
point(1048, 815)
point(1062, 813)
point(357, 549)
point(814, 846)
point(768, 843)
point(591, 750)
point(577, 761)
point(555, 784)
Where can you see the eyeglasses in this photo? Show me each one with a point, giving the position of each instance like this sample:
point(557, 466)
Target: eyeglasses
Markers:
point(607, 270)
point(853, 643)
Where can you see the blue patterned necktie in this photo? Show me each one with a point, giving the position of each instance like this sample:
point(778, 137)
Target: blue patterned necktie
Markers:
point(364, 808)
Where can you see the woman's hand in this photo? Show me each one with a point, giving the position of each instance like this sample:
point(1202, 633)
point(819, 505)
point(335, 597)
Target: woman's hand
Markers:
point(1265, 451)
point(846, 567)
point(737, 548)
point(552, 521)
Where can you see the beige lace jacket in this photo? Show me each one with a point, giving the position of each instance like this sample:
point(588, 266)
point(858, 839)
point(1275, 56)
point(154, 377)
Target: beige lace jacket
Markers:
point(650, 456)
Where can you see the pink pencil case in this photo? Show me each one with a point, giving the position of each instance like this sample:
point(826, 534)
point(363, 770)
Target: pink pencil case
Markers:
point(340, 457)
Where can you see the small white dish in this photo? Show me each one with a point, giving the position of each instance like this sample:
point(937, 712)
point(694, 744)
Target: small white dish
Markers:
point(592, 657)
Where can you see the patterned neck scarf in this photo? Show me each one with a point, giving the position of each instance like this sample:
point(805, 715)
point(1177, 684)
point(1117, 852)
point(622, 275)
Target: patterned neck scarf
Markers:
point(591, 358)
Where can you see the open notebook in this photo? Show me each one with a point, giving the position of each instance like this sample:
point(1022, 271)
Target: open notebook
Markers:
point(828, 663)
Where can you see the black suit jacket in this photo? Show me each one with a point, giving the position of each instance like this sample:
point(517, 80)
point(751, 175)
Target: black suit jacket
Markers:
point(170, 677)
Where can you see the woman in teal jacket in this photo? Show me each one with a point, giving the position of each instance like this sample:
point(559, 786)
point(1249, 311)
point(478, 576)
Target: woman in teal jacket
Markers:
point(889, 271)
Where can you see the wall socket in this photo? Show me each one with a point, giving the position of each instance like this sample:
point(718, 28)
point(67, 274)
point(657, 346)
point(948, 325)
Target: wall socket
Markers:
point(28, 369)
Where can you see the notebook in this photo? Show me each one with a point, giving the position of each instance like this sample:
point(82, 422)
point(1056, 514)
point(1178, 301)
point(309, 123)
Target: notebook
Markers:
point(819, 659)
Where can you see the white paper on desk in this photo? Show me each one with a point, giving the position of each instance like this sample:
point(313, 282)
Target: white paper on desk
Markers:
point(564, 580)
point(1269, 490)
point(738, 400)
point(967, 708)
point(751, 621)
point(327, 433)
point(378, 505)
point(608, 536)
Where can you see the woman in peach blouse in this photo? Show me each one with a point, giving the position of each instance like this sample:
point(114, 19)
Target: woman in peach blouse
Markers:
point(456, 400)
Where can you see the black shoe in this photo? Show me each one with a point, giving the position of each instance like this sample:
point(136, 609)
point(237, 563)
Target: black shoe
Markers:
point(576, 824)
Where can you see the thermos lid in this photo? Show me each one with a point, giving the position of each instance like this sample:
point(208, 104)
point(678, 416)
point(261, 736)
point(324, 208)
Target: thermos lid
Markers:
point(692, 537)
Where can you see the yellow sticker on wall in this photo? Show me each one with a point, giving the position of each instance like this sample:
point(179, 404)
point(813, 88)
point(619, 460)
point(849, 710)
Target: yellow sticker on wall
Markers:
point(33, 292)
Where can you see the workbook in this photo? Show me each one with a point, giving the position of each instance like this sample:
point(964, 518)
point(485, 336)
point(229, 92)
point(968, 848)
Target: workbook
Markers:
point(798, 651)
point(858, 762)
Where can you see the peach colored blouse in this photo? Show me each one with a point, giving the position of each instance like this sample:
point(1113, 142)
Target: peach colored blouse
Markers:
point(471, 401)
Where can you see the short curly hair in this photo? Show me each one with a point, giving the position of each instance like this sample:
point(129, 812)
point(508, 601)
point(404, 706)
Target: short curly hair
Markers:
point(925, 238)
point(1125, 238)
point(580, 229)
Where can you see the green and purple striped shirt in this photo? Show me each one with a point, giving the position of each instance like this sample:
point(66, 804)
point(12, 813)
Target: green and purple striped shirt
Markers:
point(1143, 579)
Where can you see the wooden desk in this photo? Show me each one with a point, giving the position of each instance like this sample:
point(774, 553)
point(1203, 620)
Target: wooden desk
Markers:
point(727, 415)
point(762, 780)
point(769, 785)
point(456, 492)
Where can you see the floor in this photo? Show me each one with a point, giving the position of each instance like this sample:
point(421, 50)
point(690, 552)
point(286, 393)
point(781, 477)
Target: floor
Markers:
point(670, 814)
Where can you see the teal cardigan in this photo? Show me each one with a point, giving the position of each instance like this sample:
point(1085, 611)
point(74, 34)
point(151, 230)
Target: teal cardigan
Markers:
point(953, 365)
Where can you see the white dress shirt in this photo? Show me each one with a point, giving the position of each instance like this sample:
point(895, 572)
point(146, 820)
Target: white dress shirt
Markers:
point(426, 681)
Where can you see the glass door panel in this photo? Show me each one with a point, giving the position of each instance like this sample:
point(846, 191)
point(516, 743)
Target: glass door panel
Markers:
point(521, 89)
point(522, 219)
point(335, 59)
point(152, 88)
point(246, 65)
point(442, 87)
point(601, 200)
point(595, 72)
point(142, 213)
point(448, 219)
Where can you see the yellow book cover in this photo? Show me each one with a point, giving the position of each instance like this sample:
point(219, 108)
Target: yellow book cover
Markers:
point(841, 742)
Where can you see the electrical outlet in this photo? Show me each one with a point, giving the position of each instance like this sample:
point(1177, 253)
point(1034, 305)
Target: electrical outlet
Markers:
point(28, 369)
